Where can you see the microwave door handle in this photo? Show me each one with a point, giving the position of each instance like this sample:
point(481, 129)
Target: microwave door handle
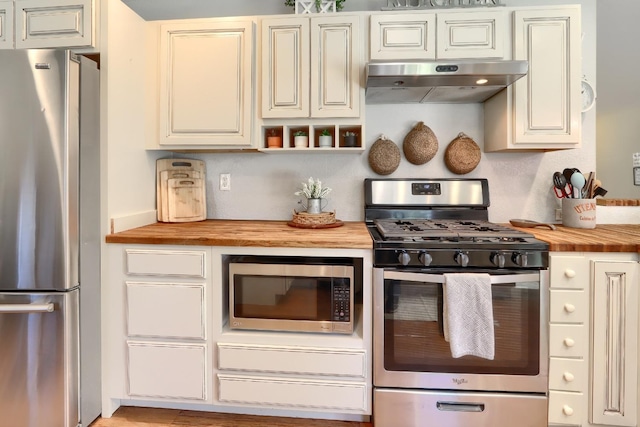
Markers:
point(439, 278)
point(26, 308)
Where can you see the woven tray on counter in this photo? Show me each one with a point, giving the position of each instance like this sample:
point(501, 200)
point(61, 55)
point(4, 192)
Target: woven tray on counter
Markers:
point(320, 220)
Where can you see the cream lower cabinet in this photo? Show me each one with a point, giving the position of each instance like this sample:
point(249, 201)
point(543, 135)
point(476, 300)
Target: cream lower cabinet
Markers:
point(311, 67)
point(160, 343)
point(206, 90)
point(542, 110)
point(593, 375)
point(26, 24)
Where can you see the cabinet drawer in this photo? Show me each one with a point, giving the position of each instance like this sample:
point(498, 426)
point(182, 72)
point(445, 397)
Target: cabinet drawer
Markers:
point(566, 408)
point(568, 306)
point(471, 35)
point(293, 360)
point(567, 375)
point(403, 36)
point(165, 310)
point(165, 263)
point(164, 370)
point(569, 272)
point(290, 392)
point(568, 341)
point(6, 24)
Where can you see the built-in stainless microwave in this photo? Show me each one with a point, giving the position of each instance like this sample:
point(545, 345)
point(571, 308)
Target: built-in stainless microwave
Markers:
point(292, 294)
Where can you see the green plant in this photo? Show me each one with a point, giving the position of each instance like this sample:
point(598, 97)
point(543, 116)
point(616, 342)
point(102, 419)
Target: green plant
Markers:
point(325, 132)
point(313, 189)
point(339, 4)
point(300, 133)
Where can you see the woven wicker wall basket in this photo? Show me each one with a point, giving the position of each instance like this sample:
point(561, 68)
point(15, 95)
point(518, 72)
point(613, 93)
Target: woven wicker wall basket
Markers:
point(462, 154)
point(384, 156)
point(420, 144)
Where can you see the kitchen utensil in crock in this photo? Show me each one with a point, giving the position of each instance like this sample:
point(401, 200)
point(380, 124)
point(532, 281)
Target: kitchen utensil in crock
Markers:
point(560, 183)
point(462, 154)
point(420, 144)
point(578, 181)
point(527, 223)
point(384, 156)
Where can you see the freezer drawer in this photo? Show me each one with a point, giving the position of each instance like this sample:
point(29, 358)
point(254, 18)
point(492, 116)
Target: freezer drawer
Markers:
point(39, 359)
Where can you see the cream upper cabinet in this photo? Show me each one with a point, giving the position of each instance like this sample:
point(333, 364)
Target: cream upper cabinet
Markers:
point(26, 24)
point(542, 109)
point(447, 35)
point(206, 86)
point(6, 24)
point(311, 67)
point(614, 393)
point(403, 36)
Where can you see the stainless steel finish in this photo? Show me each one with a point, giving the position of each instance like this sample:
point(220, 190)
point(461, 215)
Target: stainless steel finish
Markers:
point(456, 81)
point(38, 172)
point(39, 360)
point(292, 270)
point(418, 408)
point(390, 192)
point(49, 238)
point(451, 381)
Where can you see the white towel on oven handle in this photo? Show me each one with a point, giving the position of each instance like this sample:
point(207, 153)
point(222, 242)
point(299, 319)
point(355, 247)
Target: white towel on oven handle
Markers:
point(468, 314)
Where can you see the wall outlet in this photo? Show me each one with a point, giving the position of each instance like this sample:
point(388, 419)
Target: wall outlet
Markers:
point(225, 181)
point(559, 214)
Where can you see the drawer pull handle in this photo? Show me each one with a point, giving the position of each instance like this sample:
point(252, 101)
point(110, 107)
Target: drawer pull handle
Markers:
point(570, 273)
point(569, 342)
point(568, 377)
point(567, 410)
point(569, 308)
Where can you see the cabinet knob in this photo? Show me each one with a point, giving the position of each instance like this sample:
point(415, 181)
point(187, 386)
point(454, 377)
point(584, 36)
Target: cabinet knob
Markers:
point(570, 273)
point(567, 410)
point(569, 308)
point(568, 377)
point(569, 342)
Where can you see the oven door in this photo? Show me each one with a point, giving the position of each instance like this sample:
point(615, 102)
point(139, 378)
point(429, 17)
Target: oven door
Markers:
point(409, 346)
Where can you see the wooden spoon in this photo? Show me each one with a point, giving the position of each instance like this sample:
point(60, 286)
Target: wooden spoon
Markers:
point(527, 223)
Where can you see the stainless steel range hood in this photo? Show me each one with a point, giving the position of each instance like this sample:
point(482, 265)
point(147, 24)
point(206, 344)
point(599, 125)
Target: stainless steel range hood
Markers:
point(439, 81)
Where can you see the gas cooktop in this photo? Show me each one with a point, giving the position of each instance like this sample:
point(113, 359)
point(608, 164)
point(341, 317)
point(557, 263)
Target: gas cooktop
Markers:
point(446, 230)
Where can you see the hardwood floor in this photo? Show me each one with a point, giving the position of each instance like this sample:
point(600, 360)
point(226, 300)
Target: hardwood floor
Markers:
point(151, 417)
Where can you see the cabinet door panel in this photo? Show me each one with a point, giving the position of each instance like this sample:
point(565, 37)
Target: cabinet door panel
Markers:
point(335, 64)
point(64, 23)
point(471, 35)
point(6, 25)
point(547, 99)
point(615, 344)
point(285, 67)
point(205, 84)
point(164, 370)
point(403, 36)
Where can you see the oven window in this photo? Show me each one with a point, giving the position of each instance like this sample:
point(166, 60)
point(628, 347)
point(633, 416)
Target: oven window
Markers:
point(414, 336)
point(283, 297)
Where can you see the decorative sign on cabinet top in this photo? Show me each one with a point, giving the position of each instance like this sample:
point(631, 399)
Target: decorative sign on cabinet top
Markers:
point(432, 4)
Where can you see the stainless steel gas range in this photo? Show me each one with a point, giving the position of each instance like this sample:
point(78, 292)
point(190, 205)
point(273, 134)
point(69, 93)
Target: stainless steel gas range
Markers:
point(438, 263)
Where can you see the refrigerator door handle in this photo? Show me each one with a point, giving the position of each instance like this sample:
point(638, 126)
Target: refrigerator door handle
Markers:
point(26, 308)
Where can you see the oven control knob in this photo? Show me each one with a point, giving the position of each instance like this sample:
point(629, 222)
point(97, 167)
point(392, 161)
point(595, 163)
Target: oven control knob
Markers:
point(462, 258)
point(425, 258)
point(404, 258)
point(497, 259)
point(519, 259)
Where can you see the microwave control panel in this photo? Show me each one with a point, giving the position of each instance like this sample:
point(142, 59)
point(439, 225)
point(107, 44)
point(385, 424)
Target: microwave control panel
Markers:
point(341, 301)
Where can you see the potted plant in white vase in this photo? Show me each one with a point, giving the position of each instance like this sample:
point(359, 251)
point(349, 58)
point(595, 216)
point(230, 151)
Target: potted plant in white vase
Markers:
point(300, 139)
point(314, 193)
point(325, 140)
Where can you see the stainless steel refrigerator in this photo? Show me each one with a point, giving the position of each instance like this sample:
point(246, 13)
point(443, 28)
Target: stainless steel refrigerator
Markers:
point(49, 239)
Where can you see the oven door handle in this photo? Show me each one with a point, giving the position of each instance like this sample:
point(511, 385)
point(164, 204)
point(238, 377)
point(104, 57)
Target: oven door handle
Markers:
point(460, 407)
point(439, 278)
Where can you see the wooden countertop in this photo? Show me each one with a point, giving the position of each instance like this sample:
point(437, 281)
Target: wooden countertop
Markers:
point(212, 232)
point(603, 238)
